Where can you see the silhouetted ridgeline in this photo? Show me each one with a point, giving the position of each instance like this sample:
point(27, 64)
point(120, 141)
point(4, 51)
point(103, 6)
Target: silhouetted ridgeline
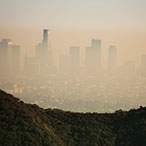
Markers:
point(29, 125)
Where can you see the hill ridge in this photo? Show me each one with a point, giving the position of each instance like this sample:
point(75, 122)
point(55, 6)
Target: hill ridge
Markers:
point(24, 124)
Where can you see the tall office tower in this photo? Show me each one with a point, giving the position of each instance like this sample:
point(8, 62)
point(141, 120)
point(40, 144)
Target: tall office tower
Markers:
point(41, 50)
point(15, 59)
point(93, 56)
point(96, 44)
point(4, 57)
point(96, 47)
point(45, 39)
point(112, 56)
point(44, 54)
point(74, 53)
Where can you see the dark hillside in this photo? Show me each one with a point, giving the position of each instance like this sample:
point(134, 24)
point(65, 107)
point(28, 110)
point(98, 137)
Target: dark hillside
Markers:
point(27, 125)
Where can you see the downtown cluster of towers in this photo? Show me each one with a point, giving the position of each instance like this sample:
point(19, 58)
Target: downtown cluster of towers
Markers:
point(42, 63)
point(9, 58)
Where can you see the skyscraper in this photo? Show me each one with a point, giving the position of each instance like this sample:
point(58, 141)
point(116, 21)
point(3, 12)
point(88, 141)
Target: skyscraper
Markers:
point(74, 58)
point(4, 56)
point(44, 54)
point(96, 47)
point(41, 50)
point(93, 56)
point(45, 39)
point(15, 59)
point(112, 57)
point(96, 44)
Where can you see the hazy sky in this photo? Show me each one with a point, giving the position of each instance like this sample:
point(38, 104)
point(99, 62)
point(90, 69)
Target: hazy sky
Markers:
point(74, 13)
point(75, 22)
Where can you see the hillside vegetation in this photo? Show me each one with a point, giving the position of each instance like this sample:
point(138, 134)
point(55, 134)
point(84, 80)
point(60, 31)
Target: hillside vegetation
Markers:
point(24, 124)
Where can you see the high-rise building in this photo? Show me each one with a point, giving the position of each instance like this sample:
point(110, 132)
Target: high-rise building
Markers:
point(15, 59)
point(96, 47)
point(4, 56)
point(112, 57)
point(93, 56)
point(38, 51)
point(74, 54)
point(42, 49)
point(96, 44)
point(44, 54)
point(45, 39)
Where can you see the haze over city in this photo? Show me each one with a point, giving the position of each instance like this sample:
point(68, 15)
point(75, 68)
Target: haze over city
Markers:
point(75, 22)
point(62, 53)
point(73, 72)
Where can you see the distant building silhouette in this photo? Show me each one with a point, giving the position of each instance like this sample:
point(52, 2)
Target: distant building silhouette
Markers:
point(4, 56)
point(44, 54)
point(112, 57)
point(96, 46)
point(74, 54)
point(45, 39)
point(42, 49)
point(15, 59)
point(93, 56)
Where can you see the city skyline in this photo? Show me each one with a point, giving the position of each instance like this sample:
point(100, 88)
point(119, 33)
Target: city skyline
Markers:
point(70, 83)
point(103, 52)
point(132, 42)
point(75, 23)
point(64, 61)
point(62, 53)
point(42, 63)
